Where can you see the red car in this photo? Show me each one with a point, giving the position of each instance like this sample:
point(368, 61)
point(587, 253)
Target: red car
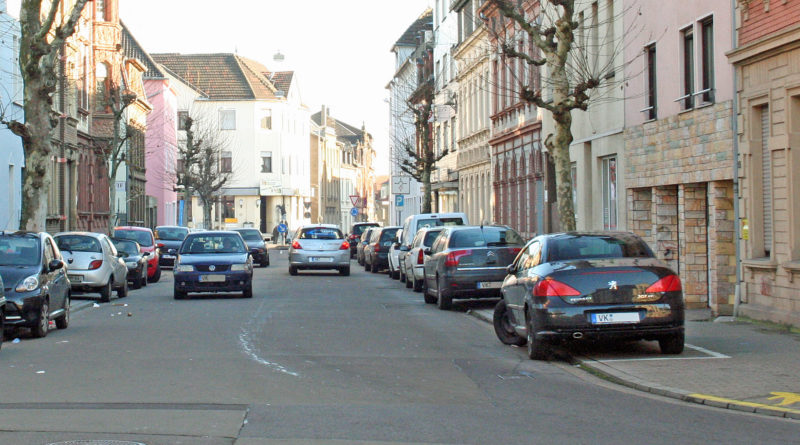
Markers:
point(147, 240)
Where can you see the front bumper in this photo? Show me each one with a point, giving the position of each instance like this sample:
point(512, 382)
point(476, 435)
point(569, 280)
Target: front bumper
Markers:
point(234, 282)
point(134, 273)
point(22, 309)
point(166, 260)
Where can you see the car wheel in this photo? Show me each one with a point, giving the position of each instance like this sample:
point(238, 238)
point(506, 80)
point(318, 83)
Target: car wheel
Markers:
point(396, 275)
point(672, 344)
point(2, 327)
point(292, 270)
point(105, 291)
point(429, 299)
point(265, 263)
point(137, 283)
point(248, 292)
point(345, 271)
point(373, 267)
point(143, 278)
point(503, 327)
point(366, 266)
point(178, 295)
point(408, 282)
point(403, 277)
point(443, 302)
point(157, 275)
point(416, 285)
point(537, 349)
point(122, 292)
point(62, 322)
point(42, 321)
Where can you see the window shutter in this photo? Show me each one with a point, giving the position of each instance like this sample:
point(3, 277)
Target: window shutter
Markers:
point(766, 181)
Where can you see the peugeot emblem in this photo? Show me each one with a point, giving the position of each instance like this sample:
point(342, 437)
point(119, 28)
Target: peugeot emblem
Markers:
point(212, 268)
point(612, 285)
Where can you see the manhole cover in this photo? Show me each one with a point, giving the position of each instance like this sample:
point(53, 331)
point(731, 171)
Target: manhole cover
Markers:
point(96, 442)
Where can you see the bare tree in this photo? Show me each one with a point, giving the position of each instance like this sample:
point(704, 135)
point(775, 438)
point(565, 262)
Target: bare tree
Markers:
point(574, 73)
point(44, 33)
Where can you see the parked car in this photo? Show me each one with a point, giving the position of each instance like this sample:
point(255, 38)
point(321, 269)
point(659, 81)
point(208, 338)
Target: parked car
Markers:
point(168, 241)
point(412, 268)
point(362, 243)
point(146, 239)
point(593, 285)
point(394, 256)
point(93, 264)
point(36, 287)
point(213, 261)
point(256, 243)
point(415, 222)
point(468, 262)
point(319, 246)
point(355, 235)
point(134, 259)
point(376, 251)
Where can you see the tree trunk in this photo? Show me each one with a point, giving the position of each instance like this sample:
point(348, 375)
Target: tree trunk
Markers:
point(426, 188)
point(559, 147)
point(206, 213)
point(38, 151)
point(112, 202)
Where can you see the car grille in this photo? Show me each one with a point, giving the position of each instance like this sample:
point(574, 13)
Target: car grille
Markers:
point(217, 268)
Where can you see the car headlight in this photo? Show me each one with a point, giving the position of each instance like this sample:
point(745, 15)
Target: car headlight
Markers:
point(185, 268)
point(239, 267)
point(28, 284)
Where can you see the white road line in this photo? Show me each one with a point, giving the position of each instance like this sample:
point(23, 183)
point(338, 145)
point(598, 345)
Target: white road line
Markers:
point(707, 351)
point(249, 348)
point(711, 355)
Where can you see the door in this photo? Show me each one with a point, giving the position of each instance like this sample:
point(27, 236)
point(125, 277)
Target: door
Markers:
point(56, 279)
point(516, 287)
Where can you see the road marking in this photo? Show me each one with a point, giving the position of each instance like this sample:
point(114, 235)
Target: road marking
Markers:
point(741, 402)
point(789, 398)
point(249, 348)
point(711, 355)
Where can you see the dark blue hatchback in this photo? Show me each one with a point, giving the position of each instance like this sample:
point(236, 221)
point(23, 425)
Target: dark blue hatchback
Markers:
point(216, 261)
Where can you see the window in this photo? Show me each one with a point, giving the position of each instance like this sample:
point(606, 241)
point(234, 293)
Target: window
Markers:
point(707, 28)
point(609, 177)
point(228, 207)
point(766, 180)
point(101, 87)
point(227, 119)
point(453, 134)
point(574, 173)
point(179, 165)
point(84, 93)
point(183, 117)
point(266, 162)
point(100, 10)
point(650, 88)
point(226, 162)
point(266, 121)
point(688, 69)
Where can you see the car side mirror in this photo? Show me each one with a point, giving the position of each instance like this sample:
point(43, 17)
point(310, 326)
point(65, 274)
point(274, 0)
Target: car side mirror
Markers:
point(55, 265)
point(512, 269)
point(426, 251)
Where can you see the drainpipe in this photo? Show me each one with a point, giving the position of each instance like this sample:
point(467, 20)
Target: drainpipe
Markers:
point(736, 217)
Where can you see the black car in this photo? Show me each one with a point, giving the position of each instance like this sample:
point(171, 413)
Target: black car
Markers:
point(362, 242)
point(135, 260)
point(168, 241)
point(213, 261)
point(355, 235)
point(256, 244)
point(592, 285)
point(376, 250)
point(37, 289)
point(468, 262)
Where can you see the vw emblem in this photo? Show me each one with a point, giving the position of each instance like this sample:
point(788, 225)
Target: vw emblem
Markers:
point(212, 268)
point(612, 285)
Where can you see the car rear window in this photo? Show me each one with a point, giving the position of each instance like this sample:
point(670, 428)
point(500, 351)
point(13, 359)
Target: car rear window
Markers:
point(213, 243)
point(140, 236)
point(359, 229)
point(321, 233)
point(485, 237)
point(171, 233)
point(438, 222)
point(429, 237)
point(251, 235)
point(591, 246)
point(19, 251)
point(388, 235)
point(128, 247)
point(78, 243)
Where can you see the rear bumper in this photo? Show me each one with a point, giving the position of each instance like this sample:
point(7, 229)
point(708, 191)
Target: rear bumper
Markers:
point(166, 260)
point(320, 259)
point(465, 283)
point(88, 279)
point(608, 333)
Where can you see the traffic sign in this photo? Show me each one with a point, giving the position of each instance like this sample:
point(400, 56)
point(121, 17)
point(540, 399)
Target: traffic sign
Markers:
point(401, 185)
point(355, 199)
point(399, 200)
point(354, 212)
point(282, 228)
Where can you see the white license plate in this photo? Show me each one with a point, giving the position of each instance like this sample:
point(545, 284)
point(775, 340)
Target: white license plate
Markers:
point(489, 284)
point(168, 257)
point(75, 278)
point(321, 259)
point(616, 317)
point(211, 278)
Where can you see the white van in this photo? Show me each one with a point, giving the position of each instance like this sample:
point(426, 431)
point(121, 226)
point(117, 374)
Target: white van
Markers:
point(416, 222)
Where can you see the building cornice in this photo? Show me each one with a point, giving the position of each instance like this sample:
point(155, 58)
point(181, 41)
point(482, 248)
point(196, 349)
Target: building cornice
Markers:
point(764, 47)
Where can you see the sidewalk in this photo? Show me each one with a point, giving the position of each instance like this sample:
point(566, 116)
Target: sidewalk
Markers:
point(726, 364)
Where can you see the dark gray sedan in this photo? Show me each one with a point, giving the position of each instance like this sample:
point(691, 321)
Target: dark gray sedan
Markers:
point(468, 262)
point(574, 286)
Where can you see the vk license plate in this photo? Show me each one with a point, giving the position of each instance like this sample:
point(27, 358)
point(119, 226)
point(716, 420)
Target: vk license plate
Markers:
point(489, 284)
point(211, 278)
point(168, 256)
point(616, 318)
point(75, 278)
point(321, 259)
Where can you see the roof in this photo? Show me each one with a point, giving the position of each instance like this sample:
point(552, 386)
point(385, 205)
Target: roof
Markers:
point(225, 76)
point(133, 50)
point(343, 131)
point(423, 23)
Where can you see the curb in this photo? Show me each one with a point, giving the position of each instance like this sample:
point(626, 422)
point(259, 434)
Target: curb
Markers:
point(608, 374)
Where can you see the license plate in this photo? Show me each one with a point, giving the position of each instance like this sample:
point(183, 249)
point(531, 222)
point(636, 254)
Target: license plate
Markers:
point(211, 278)
point(489, 284)
point(321, 259)
point(616, 317)
point(75, 278)
point(168, 257)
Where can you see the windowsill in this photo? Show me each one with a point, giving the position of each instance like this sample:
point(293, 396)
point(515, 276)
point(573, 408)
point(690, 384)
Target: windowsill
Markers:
point(704, 105)
point(686, 110)
point(760, 264)
point(792, 267)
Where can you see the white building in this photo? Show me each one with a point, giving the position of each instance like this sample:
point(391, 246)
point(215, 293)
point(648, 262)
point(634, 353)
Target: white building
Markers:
point(12, 155)
point(262, 115)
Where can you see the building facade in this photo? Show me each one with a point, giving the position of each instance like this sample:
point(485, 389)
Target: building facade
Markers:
point(12, 158)
point(767, 63)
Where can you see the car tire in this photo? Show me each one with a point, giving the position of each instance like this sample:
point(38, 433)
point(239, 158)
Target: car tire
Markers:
point(143, 278)
point(42, 322)
point(396, 275)
point(2, 327)
point(137, 283)
point(408, 282)
point(178, 295)
point(62, 322)
point(373, 267)
point(429, 299)
point(265, 263)
point(292, 270)
point(366, 266)
point(248, 291)
point(503, 328)
point(537, 348)
point(345, 271)
point(672, 344)
point(402, 277)
point(443, 302)
point(157, 275)
point(122, 292)
point(416, 285)
point(105, 291)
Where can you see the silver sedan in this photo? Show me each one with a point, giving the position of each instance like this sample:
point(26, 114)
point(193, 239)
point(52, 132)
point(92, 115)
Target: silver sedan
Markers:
point(93, 263)
point(319, 246)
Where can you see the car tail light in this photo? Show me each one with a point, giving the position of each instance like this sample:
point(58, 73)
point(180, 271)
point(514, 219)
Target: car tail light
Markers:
point(515, 250)
point(670, 283)
point(377, 247)
point(160, 245)
point(296, 245)
point(345, 246)
point(549, 287)
point(454, 256)
point(95, 264)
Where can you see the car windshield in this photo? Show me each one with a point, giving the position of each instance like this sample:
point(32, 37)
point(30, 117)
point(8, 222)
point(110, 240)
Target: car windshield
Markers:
point(19, 250)
point(321, 233)
point(438, 222)
point(430, 236)
point(171, 233)
point(485, 237)
point(251, 235)
point(129, 248)
point(596, 246)
point(140, 236)
point(213, 243)
point(359, 229)
point(78, 243)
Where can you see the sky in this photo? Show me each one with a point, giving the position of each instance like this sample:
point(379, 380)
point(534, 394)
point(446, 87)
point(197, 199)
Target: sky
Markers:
point(340, 49)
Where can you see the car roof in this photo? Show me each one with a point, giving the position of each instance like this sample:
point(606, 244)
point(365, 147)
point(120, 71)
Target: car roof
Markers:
point(364, 223)
point(172, 227)
point(239, 229)
point(91, 234)
point(143, 229)
point(123, 240)
point(215, 232)
point(327, 226)
point(390, 227)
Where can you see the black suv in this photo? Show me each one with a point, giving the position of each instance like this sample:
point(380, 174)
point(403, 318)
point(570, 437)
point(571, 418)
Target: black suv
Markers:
point(355, 234)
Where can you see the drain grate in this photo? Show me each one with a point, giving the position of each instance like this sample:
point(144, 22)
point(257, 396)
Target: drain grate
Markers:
point(96, 442)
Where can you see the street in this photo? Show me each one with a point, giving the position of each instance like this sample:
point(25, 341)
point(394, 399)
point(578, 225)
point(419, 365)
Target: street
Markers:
point(321, 358)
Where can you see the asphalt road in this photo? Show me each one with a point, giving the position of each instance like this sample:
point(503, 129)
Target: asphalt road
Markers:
point(318, 359)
